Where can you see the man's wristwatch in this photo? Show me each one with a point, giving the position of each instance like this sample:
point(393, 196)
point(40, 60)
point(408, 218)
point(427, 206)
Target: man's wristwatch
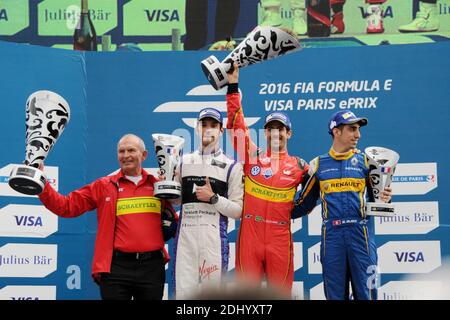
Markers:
point(214, 199)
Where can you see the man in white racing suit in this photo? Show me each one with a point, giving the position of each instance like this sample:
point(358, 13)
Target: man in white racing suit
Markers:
point(212, 192)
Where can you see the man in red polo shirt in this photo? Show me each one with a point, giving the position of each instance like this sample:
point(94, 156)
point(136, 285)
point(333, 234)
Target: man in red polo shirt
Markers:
point(129, 254)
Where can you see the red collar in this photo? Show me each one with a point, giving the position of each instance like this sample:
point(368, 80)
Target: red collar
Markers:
point(145, 175)
point(278, 155)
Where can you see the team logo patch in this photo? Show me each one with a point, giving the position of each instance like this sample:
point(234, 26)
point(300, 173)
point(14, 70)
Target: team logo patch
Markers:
point(255, 170)
point(354, 161)
point(348, 115)
point(268, 173)
point(219, 164)
point(332, 124)
point(287, 172)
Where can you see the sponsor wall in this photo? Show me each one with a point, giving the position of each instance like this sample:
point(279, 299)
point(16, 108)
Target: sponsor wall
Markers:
point(42, 256)
point(395, 14)
point(110, 94)
point(149, 23)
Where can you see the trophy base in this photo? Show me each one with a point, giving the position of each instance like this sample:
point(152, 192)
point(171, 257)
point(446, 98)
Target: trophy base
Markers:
point(215, 72)
point(167, 190)
point(27, 180)
point(380, 209)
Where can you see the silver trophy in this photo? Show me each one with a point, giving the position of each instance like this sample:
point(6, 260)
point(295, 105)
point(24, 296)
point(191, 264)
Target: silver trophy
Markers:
point(47, 114)
point(382, 162)
point(261, 44)
point(168, 151)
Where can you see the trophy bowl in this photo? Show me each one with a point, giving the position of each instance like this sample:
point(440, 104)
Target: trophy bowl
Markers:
point(168, 152)
point(382, 163)
point(27, 180)
point(263, 43)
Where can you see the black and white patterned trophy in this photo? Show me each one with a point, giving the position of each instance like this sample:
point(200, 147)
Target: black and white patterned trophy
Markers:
point(382, 162)
point(168, 149)
point(47, 114)
point(261, 44)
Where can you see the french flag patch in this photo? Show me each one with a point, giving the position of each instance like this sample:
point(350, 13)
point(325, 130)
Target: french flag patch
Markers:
point(386, 170)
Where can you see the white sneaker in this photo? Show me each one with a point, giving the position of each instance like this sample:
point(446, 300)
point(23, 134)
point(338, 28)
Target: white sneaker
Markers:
point(298, 21)
point(299, 25)
point(426, 19)
point(272, 15)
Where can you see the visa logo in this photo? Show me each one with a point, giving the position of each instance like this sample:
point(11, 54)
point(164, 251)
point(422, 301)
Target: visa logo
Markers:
point(24, 298)
point(28, 221)
point(3, 15)
point(409, 256)
point(385, 13)
point(162, 15)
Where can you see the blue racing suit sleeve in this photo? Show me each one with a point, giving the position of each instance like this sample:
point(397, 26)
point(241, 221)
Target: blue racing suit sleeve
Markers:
point(310, 192)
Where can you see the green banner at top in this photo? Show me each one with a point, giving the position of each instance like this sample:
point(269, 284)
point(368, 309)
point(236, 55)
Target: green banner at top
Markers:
point(153, 17)
point(60, 17)
point(395, 13)
point(14, 16)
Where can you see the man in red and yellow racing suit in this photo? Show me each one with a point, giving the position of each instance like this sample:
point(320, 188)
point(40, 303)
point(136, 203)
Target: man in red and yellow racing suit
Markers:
point(264, 245)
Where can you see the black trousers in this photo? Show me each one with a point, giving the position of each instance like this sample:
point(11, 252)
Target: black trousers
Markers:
point(138, 277)
point(227, 14)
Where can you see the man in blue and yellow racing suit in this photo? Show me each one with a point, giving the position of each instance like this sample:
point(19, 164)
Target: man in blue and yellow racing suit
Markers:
point(341, 179)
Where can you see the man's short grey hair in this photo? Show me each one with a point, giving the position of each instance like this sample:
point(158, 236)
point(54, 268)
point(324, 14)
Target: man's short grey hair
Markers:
point(130, 135)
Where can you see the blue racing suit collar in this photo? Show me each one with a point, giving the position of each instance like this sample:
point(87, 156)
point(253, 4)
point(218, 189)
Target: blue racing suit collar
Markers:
point(342, 156)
